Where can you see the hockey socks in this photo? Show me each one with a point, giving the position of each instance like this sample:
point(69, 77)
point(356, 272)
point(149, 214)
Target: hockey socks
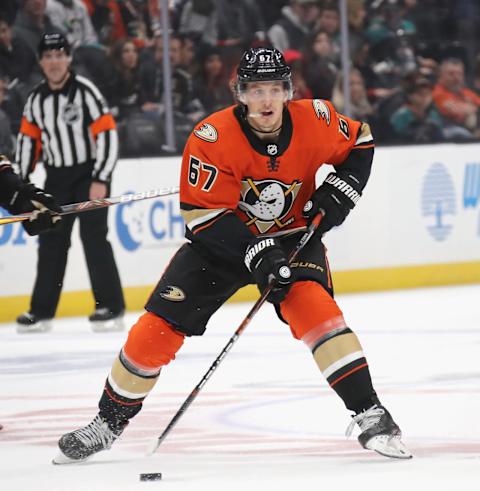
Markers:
point(334, 346)
point(340, 358)
point(151, 344)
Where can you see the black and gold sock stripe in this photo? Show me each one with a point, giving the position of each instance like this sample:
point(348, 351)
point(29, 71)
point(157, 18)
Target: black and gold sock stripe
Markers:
point(340, 358)
point(125, 390)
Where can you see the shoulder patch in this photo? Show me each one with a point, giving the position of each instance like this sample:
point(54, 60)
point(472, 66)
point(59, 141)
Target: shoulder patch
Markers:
point(321, 110)
point(206, 132)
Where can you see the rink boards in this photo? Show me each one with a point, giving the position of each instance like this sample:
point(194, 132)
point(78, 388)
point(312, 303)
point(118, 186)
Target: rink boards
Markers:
point(418, 224)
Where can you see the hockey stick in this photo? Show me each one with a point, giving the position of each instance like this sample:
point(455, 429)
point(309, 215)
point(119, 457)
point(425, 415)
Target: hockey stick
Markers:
point(256, 307)
point(98, 203)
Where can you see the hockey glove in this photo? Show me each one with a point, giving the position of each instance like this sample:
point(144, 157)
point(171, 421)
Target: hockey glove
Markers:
point(45, 210)
point(266, 260)
point(334, 199)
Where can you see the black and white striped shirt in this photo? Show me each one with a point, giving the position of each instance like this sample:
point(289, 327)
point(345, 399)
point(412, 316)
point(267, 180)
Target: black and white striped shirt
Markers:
point(67, 127)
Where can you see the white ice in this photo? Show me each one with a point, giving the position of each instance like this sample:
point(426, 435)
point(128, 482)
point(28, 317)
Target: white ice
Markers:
point(266, 419)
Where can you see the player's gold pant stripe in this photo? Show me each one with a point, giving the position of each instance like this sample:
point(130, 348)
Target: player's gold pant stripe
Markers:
point(335, 349)
point(127, 384)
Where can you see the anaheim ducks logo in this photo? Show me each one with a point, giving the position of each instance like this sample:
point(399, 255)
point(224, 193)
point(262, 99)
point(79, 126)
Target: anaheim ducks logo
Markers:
point(321, 110)
point(206, 132)
point(268, 202)
point(173, 293)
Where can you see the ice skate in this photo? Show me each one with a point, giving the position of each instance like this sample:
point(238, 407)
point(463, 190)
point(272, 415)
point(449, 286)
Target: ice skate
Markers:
point(79, 445)
point(104, 320)
point(30, 323)
point(379, 433)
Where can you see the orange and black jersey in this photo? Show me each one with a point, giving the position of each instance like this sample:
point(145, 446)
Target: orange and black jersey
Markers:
point(234, 185)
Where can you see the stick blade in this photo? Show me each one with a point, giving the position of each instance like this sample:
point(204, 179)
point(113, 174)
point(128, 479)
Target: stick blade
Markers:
point(152, 446)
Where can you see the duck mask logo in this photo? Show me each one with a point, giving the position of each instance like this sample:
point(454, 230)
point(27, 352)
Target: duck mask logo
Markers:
point(268, 202)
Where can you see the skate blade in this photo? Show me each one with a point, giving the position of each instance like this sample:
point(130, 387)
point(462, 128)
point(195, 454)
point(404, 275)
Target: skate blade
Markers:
point(113, 325)
point(39, 327)
point(62, 459)
point(389, 446)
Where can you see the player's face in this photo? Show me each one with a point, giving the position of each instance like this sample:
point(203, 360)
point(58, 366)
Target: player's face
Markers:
point(55, 64)
point(265, 102)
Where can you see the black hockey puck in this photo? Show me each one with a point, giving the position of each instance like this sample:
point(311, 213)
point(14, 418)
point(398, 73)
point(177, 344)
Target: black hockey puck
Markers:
point(155, 476)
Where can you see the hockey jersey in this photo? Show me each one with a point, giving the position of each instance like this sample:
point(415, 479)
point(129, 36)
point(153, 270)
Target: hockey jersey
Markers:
point(235, 185)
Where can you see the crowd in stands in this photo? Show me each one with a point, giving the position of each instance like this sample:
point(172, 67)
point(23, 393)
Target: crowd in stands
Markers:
point(415, 73)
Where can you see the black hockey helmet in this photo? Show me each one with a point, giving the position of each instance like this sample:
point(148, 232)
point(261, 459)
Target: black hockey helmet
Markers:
point(263, 65)
point(53, 41)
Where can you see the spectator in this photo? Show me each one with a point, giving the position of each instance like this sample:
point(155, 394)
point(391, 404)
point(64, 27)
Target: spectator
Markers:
point(418, 119)
point(329, 21)
point(184, 102)
point(271, 10)
point(290, 31)
point(125, 94)
point(73, 18)
point(17, 60)
point(239, 25)
point(321, 71)
point(6, 138)
point(360, 106)
point(199, 19)
point(135, 16)
point(211, 83)
point(14, 97)
point(188, 54)
point(107, 20)
point(458, 104)
point(32, 22)
point(76, 138)
point(8, 10)
point(356, 23)
point(301, 90)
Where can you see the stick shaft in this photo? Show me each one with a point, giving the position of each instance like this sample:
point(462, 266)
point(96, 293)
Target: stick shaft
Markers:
point(256, 307)
point(98, 203)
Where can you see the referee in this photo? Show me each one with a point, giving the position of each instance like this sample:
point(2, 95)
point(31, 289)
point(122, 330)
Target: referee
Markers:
point(67, 125)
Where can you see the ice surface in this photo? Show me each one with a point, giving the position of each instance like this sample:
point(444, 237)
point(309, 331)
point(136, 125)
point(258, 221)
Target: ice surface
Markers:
point(266, 419)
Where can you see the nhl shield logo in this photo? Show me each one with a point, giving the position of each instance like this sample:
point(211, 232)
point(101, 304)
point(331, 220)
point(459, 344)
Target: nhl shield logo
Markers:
point(272, 149)
point(70, 113)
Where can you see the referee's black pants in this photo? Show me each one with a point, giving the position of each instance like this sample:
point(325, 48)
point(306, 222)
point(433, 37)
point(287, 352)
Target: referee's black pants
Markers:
point(71, 185)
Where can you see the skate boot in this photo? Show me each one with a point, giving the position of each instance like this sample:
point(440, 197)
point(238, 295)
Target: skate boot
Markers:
point(379, 433)
point(105, 320)
point(79, 445)
point(30, 323)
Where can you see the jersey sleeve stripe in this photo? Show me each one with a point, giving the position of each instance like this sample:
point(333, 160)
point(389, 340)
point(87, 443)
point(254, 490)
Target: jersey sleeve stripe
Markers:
point(197, 218)
point(363, 146)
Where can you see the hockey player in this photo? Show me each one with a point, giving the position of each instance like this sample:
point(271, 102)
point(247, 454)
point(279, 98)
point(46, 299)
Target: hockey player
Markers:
point(19, 197)
point(247, 185)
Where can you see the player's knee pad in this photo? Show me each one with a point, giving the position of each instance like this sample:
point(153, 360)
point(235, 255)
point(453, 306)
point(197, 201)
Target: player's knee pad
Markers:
point(152, 343)
point(311, 312)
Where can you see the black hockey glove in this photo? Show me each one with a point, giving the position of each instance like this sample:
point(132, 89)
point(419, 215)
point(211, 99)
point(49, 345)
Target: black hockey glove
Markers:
point(266, 260)
point(334, 198)
point(45, 210)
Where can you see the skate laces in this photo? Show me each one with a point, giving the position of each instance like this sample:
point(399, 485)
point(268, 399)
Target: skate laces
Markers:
point(366, 419)
point(96, 432)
